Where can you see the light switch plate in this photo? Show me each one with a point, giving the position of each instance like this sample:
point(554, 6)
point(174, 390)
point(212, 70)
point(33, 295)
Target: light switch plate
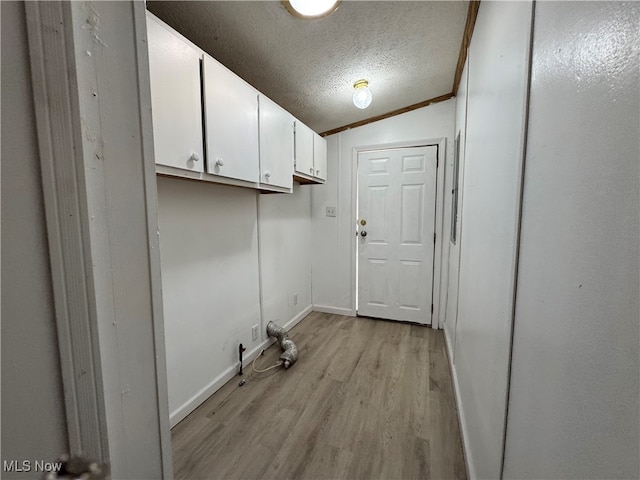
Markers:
point(331, 211)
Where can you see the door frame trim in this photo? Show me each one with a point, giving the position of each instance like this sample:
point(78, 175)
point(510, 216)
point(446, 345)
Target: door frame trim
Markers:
point(441, 143)
point(66, 210)
point(108, 333)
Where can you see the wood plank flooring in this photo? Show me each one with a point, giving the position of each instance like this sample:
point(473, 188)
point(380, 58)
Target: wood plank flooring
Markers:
point(367, 399)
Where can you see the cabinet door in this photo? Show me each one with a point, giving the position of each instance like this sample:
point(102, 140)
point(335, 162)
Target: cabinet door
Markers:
point(231, 123)
point(174, 70)
point(319, 157)
point(304, 149)
point(276, 144)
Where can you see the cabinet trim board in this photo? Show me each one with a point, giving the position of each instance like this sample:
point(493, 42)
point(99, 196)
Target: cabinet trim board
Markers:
point(307, 179)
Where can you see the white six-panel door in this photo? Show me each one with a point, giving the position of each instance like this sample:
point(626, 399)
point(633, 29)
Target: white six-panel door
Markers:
point(396, 231)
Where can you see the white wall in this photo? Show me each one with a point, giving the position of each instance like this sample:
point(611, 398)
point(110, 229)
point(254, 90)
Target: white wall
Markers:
point(573, 406)
point(333, 238)
point(326, 268)
point(285, 255)
point(210, 284)
point(214, 255)
point(450, 305)
point(497, 87)
point(33, 417)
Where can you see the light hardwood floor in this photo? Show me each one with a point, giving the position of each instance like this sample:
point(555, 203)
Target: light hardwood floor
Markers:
point(366, 399)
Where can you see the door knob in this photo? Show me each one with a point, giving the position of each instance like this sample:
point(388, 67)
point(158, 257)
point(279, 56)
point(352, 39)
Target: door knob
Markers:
point(67, 467)
point(363, 233)
point(194, 156)
point(219, 162)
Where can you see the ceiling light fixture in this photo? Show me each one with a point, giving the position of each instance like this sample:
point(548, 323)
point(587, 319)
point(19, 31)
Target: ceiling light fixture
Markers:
point(362, 95)
point(310, 9)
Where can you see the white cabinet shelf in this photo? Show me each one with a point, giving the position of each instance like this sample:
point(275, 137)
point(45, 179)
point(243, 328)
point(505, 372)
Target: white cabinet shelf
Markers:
point(176, 105)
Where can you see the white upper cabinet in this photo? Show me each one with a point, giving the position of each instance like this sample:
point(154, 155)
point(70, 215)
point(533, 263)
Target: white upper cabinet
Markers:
point(198, 106)
point(276, 145)
point(231, 123)
point(174, 68)
point(319, 157)
point(304, 149)
point(311, 155)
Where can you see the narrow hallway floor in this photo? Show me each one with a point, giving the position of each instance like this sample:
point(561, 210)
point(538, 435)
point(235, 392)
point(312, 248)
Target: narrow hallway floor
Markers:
point(367, 399)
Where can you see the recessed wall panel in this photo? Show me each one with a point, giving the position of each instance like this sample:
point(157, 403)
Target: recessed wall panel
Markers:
point(378, 166)
point(410, 295)
point(377, 220)
point(412, 163)
point(378, 284)
point(411, 228)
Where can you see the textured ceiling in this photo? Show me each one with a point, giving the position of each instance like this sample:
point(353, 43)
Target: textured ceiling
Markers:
point(408, 51)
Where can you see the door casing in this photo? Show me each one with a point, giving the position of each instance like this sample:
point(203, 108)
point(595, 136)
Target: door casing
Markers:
point(395, 180)
point(441, 143)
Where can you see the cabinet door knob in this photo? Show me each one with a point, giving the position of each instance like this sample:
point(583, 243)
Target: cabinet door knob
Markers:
point(219, 162)
point(311, 170)
point(194, 156)
point(267, 174)
point(317, 172)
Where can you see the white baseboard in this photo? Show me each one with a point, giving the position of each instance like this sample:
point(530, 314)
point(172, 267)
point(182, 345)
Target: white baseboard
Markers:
point(471, 474)
point(194, 402)
point(295, 320)
point(334, 310)
point(450, 347)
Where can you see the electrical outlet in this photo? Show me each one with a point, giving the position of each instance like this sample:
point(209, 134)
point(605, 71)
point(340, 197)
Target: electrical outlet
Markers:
point(254, 333)
point(331, 211)
point(295, 298)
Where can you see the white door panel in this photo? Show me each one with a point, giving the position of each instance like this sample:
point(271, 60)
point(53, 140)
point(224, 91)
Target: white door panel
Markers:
point(304, 149)
point(174, 71)
point(276, 144)
point(231, 114)
point(319, 157)
point(396, 201)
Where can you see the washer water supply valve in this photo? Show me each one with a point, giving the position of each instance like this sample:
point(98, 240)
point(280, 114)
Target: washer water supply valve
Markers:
point(241, 350)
